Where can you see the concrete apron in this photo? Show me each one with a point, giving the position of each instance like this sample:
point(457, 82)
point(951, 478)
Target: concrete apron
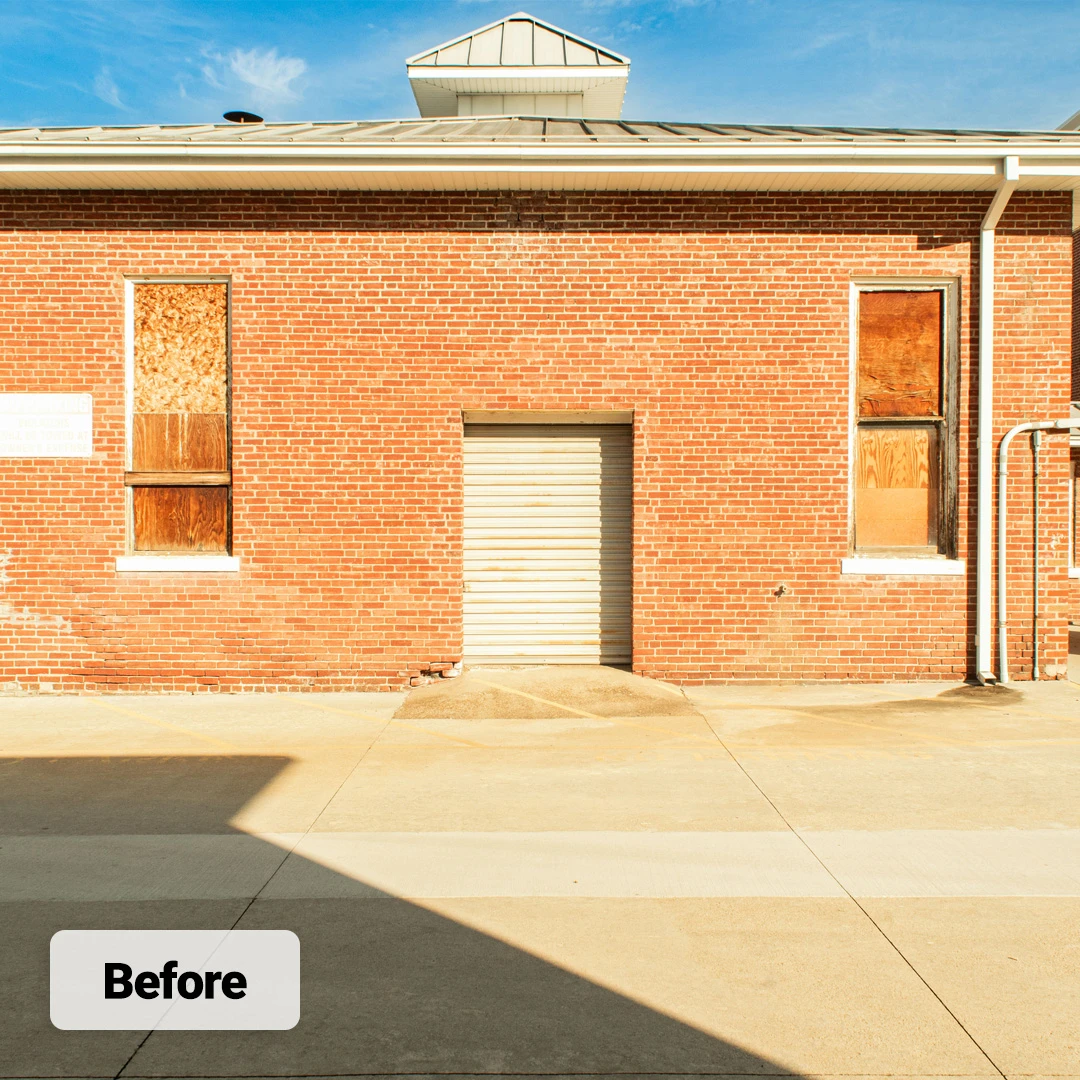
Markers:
point(568, 872)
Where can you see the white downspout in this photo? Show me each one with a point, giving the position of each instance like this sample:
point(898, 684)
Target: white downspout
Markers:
point(1010, 177)
point(1002, 562)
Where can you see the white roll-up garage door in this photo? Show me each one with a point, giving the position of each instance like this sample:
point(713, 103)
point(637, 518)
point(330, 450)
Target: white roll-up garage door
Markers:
point(547, 543)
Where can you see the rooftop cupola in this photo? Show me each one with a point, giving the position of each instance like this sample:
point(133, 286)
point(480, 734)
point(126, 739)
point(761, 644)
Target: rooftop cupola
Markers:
point(519, 66)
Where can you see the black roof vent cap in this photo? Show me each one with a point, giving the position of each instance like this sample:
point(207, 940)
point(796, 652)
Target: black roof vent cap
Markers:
point(238, 116)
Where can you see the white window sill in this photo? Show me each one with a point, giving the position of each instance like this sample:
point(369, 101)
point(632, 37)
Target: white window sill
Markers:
point(929, 567)
point(184, 564)
point(1074, 571)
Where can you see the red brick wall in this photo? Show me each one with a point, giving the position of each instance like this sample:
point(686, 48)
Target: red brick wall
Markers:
point(1074, 609)
point(363, 324)
point(1076, 319)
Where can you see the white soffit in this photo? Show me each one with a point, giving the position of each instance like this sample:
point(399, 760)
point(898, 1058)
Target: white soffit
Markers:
point(504, 179)
point(600, 97)
point(513, 173)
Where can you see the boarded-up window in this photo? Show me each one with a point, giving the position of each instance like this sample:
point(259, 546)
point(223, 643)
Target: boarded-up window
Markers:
point(180, 462)
point(900, 353)
point(901, 421)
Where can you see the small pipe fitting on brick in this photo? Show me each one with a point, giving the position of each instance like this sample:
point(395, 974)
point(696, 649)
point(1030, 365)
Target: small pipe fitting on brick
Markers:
point(780, 590)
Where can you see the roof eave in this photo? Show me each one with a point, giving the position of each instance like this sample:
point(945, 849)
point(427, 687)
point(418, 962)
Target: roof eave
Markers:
point(673, 165)
point(582, 148)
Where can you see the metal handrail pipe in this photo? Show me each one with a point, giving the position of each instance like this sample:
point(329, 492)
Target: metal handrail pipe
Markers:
point(1002, 522)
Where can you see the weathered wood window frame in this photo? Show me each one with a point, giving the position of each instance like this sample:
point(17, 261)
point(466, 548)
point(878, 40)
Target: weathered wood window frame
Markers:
point(172, 480)
point(1074, 513)
point(941, 426)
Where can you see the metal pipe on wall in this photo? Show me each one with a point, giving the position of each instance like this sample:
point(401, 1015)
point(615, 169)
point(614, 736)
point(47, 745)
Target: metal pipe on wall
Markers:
point(1009, 178)
point(1002, 574)
point(1036, 444)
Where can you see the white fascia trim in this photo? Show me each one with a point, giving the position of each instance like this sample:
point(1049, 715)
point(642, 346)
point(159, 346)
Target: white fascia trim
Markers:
point(486, 168)
point(1074, 571)
point(183, 564)
point(926, 566)
point(926, 157)
point(1050, 170)
point(94, 166)
point(1063, 163)
point(429, 73)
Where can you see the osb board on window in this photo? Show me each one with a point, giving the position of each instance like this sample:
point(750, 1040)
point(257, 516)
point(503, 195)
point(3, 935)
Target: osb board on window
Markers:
point(900, 353)
point(896, 487)
point(180, 519)
point(181, 347)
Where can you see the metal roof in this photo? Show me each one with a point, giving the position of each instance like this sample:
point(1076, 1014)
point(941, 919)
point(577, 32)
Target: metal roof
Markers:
point(535, 130)
point(501, 153)
point(519, 40)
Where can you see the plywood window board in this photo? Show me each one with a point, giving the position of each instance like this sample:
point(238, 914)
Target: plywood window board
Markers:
point(900, 353)
point(180, 417)
point(905, 470)
point(179, 442)
point(896, 488)
point(175, 519)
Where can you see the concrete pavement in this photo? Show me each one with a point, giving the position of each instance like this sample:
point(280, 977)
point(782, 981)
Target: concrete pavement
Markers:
point(568, 872)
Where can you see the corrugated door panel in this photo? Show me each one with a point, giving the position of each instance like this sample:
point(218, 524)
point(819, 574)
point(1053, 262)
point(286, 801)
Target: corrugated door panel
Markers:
point(548, 544)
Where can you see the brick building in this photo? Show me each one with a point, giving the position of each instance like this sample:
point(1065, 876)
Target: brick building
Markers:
point(339, 405)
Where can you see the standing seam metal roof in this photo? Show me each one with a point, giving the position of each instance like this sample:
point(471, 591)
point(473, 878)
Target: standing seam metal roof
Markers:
point(519, 40)
point(526, 129)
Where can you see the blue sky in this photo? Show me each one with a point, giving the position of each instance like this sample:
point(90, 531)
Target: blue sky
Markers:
point(928, 63)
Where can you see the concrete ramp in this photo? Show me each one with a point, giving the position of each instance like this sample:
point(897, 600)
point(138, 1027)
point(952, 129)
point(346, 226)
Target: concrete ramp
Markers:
point(542, 693)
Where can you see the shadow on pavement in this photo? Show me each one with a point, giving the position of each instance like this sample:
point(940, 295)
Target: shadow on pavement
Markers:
point(388, 987)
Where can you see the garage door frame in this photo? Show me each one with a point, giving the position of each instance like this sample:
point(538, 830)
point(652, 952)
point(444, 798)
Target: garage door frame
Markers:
point(597, 579)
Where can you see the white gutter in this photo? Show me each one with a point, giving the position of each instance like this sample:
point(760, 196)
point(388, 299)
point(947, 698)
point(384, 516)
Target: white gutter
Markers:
point(1002, 562)
point(630, 149)
point(476, 159)
point(434, 145)
point(428, 162)
point(1010, 177)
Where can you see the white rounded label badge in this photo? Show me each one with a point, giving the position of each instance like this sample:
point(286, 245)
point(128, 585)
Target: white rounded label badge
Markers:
point(174, 980)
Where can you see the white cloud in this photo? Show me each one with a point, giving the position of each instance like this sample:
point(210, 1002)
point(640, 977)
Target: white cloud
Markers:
point(210, 75)
point(106, 89)
point(821, 41)
point(267, 72)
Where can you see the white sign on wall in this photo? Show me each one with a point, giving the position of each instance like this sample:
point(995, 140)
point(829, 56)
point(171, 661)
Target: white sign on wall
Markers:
point(46, 425)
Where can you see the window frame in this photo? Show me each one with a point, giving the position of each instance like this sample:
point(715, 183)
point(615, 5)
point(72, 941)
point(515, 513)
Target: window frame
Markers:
point(946, 422)
point(134, 558)
point(1074, 511)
